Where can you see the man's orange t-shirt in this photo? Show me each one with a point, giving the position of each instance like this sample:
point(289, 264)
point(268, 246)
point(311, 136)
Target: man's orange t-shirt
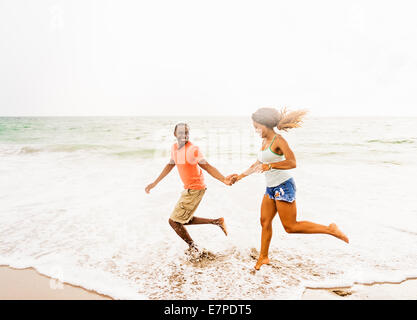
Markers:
point(186, 159)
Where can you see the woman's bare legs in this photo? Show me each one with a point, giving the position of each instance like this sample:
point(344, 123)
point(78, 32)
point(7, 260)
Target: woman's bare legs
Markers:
point(268, 212)
point(288, 214)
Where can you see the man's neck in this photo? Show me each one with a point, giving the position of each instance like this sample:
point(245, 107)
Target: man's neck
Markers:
point(181, 145)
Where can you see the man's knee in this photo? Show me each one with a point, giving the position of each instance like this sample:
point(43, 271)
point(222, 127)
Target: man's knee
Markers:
point(173, 223)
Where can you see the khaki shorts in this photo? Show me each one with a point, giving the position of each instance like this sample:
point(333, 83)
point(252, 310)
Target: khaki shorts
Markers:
point(186, 205)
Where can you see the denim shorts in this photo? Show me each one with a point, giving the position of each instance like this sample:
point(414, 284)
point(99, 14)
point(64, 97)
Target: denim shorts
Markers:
point(284, 192)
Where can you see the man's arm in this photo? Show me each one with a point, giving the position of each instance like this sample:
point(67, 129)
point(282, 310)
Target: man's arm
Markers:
point(167, 169)
point(214, 172)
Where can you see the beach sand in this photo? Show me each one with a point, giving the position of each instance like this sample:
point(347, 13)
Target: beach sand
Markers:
point(28, 284)
point(405, 290)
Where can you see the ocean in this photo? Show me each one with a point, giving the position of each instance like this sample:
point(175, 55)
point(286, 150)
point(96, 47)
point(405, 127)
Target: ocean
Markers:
point(73, 206)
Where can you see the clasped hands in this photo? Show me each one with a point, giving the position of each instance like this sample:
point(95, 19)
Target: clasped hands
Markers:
point(231, 179)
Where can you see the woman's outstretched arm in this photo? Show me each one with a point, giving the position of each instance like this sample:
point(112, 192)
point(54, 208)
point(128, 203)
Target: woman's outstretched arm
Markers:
point(256, 167)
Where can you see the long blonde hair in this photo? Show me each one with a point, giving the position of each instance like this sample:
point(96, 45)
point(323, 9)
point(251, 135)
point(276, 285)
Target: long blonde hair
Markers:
point(283, 119)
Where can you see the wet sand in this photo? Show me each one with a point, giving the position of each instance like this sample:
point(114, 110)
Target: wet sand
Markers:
point(405, 290)
point(28, 284)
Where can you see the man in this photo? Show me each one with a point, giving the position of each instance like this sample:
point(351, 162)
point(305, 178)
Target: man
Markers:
point(189, 159)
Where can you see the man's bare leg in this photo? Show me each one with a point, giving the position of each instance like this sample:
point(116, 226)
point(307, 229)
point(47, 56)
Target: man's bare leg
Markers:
point(182, 232)
point(218, 222)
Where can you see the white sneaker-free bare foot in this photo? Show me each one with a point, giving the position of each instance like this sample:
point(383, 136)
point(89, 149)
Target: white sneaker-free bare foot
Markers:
point(337, 233)
point(220, 222)
point(261, 261)
point(193, 251)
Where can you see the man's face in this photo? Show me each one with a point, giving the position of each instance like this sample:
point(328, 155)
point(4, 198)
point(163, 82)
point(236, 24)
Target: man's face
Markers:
point(182, 134)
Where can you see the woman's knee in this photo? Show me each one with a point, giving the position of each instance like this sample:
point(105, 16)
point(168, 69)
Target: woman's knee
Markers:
point(266, 223)
point(290, 227)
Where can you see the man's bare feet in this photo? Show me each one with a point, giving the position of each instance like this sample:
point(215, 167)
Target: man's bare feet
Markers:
point(261, 261)
point(222, 225)
point(337, 233)
point(193, 251)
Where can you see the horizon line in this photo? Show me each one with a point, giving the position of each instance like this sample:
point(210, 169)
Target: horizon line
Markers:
point(197, 116)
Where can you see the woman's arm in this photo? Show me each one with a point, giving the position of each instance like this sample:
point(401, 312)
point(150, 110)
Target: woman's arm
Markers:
point(288, 163)
point(256, 167)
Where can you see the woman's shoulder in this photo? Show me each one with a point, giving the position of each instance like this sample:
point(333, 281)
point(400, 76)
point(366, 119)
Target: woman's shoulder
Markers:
point(275, 144)
point(278, 138)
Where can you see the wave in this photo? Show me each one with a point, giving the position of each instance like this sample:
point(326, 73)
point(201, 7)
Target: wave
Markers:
point(331, 153)
point(141, 153)
point(412, 140)
point(110, 150)
point(63, 148)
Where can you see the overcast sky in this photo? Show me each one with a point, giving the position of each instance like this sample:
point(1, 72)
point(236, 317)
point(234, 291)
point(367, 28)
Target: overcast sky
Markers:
point(84, 57)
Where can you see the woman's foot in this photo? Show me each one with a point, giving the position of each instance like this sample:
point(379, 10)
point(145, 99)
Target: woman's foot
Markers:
point(222, 225)
point(337, 233)
point(261, 261)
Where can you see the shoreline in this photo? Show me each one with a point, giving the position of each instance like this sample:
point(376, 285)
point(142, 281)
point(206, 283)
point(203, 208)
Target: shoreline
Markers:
point(389, 290)
point(29, 284)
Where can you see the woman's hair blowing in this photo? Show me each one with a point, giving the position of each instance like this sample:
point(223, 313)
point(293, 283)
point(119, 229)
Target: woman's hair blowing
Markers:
point(283, 119)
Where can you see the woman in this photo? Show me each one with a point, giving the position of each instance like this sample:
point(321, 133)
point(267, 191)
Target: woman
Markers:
point(274, 159)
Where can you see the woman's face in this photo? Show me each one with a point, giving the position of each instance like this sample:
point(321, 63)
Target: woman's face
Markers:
point(260, 129)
